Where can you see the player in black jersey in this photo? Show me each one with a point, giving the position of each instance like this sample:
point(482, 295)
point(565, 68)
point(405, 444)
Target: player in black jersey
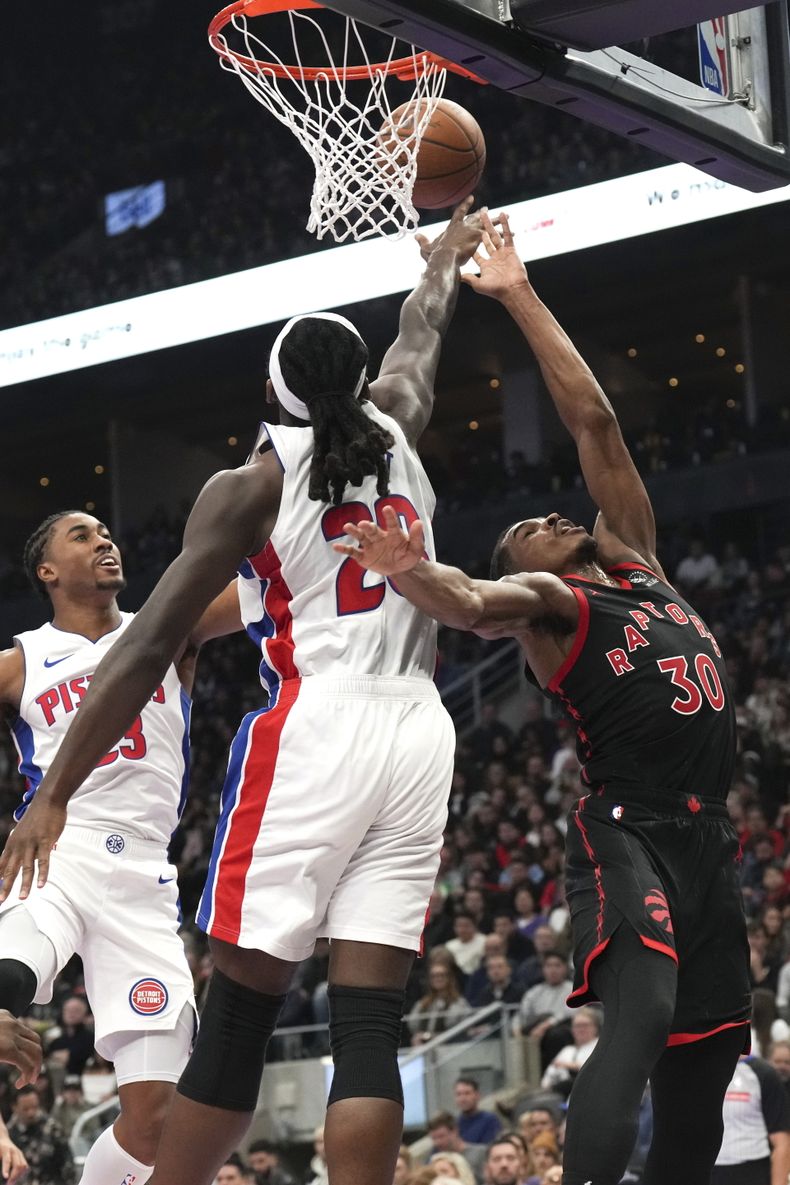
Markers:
point(658, 925)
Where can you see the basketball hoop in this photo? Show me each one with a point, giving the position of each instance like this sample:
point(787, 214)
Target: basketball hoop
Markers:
point(364, 180)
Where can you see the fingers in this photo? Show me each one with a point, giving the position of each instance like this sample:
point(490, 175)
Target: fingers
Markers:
point(417, 537)
point(390, 519)
point(463, 208)
point(27, 1059)
point(43, 867)
point(28, 869)
point(507, 233)
point(471, 279)
point(491, 236)
point(6, 1164)
point(9, 868)
point(346, 549)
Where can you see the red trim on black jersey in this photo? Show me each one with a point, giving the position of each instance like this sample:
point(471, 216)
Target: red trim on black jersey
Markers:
point(687, 1038)
point(662, 947)
point(591, 580)
point(583, 626)
point(584, 988)
point(628, 567)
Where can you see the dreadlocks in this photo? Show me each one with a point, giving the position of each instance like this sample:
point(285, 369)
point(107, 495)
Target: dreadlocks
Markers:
point(33, 554)
point(321, 362)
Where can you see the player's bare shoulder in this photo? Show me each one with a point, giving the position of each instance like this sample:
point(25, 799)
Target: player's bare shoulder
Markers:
point(12, 677)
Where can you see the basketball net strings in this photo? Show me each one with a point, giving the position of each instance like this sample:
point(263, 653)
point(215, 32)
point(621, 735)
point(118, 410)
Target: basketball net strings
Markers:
point(363, 180)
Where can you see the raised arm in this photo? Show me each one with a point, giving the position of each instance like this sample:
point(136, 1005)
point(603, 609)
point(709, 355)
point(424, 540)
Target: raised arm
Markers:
point(404, 388)
point(609, 473)
point(507, 608)
point(231, 519)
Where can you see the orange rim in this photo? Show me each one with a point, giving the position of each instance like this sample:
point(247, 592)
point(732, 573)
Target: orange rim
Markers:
point(403, 68)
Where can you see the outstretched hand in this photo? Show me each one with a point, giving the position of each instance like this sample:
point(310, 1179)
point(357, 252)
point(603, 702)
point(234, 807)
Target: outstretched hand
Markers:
point(20, 1047)
point(463, 235)
point(30, 844)
point(501, 269)
point(388, 550)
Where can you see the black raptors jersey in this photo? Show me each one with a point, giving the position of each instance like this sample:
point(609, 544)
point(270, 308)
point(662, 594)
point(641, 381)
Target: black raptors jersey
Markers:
point(646, 686)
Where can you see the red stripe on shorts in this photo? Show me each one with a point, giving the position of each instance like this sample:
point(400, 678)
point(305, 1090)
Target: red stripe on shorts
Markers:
point(255, 783)
point(277, 603)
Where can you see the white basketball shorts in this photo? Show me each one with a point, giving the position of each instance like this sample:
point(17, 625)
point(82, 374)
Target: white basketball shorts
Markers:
point(112, 899)
point(331, 817)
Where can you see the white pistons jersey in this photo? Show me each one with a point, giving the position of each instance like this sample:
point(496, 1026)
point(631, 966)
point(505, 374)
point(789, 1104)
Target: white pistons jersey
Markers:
point(314, 612)
point(139, 787)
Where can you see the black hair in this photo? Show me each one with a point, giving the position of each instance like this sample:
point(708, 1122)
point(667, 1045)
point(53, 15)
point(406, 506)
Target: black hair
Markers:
point(321, 362)
point(34, 550)
point(464, 1081)
point(501, 564)
point(264, 1145)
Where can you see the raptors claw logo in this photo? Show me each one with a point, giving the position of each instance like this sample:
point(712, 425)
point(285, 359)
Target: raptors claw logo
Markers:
point(658, 909)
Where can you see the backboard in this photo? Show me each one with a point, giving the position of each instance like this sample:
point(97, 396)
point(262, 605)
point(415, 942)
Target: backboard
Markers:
point(551, 51)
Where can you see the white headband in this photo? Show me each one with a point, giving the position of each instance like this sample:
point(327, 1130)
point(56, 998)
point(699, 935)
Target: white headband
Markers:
point(285, 395)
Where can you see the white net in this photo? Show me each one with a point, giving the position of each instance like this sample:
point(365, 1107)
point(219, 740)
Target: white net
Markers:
point(364, 169)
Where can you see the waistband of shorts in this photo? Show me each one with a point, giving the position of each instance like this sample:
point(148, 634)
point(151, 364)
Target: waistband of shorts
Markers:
point(664, 802)
point(113, 840)
point(360, 687)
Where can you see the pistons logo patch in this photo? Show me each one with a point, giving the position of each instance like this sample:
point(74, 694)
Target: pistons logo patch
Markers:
point(148, 997)
point(658, 909)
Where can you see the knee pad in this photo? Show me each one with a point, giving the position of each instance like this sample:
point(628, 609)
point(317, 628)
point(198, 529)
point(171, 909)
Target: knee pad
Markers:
point(27, 960)
point(18, 986)
point(364, 1035)
point(227, 1062)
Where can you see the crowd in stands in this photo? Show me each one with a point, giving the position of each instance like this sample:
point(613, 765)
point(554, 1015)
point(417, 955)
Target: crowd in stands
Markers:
point(499, 924)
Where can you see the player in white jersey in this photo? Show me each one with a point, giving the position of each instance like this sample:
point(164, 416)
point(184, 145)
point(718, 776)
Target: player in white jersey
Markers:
point(336, 796)
point(112, 896)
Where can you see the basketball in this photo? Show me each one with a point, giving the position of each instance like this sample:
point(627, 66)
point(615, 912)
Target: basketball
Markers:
point(451, 156)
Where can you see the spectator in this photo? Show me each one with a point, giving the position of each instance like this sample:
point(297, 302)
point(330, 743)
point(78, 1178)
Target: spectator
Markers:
point(439, 1009)
point(403, 1166)
point(72, 1043)
point(70, 1104)
point(264, 1162)
point(780, 1060)
point(756, 1145)
point(439, 927)
point(452, 1164)
point(544, 1014)
point(490, 730)
point(474, 1126)
point(699, 570)
point(503, 1163)
point(530, 971)
point(544, 1154)
point(445, 1137)
point(319, 1171)
point(517, 945)
point(468, 945)
point(528, 920)
point(41, 1141)
point(498, 987)
point(565, 1065)
point(232, 1172)
point(536, 1120)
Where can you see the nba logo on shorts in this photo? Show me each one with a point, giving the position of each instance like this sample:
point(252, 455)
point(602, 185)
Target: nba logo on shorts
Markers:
point(148, 997)
point(617, 813)
point(129, 1179)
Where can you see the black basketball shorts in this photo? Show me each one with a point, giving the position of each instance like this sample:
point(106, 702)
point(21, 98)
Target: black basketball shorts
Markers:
point(671, 872)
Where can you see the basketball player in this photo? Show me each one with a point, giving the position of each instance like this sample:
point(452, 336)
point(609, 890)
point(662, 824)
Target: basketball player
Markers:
point(336, 795)
point(658, 926)
point(112, 896)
